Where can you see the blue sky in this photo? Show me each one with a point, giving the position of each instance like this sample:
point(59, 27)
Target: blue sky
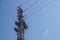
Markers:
point(43, 19)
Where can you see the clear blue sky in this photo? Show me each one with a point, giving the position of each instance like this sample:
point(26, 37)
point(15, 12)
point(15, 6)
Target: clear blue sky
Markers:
point(43, 22)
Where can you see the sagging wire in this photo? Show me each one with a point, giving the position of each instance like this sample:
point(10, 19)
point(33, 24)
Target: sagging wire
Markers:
point(38, 6)
point(26, 3)
point(31, 5)
point(35, 12)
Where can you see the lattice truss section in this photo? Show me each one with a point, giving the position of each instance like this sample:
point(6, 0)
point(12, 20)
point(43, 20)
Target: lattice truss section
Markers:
point(21, 24)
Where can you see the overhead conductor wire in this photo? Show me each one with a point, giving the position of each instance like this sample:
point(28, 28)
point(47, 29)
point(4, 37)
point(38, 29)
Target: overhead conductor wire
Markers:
point(38, 6)
point(31, 5)
point(35, 12)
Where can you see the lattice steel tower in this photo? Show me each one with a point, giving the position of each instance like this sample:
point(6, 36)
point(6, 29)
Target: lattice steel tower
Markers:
point(21, 25)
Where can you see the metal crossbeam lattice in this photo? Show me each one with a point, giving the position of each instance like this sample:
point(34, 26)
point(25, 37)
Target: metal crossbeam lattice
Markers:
point(21, 25)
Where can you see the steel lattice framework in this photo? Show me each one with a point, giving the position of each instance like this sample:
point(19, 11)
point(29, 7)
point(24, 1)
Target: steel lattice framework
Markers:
point(21, 25)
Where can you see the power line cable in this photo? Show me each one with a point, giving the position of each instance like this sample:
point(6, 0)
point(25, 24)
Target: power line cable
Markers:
point(35, 3)
point(26, 3)
point(39, 9)
point(39, 6)
point(31, 5)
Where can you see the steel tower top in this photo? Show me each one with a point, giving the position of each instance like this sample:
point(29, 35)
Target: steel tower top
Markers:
point(21, 24)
